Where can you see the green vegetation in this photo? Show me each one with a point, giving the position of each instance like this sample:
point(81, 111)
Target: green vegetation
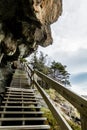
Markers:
point(74, 126)
point(59, 99)
point(51, 121)
point(23, 60)
point(39, 63)
point(56, 70)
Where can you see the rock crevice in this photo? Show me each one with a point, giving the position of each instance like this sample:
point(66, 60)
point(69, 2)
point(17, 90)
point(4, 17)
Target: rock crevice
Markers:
point(25, 24)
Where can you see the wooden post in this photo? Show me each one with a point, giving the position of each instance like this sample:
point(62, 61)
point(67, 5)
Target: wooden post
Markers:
point(83, 122)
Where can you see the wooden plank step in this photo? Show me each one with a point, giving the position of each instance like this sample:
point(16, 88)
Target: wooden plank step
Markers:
point(20, 96)
point(26, 127)
point(13, 92)
point(21, 112)
point(24, 119)
point(14, 102)
point(25, 103)
point(16, 76)
point(15, 95)
point(24, 99)
point(25, 80)
point(20, 89)
point(31, 107)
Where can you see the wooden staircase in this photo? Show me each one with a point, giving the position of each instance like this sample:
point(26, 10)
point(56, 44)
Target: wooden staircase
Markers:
point(20, 109)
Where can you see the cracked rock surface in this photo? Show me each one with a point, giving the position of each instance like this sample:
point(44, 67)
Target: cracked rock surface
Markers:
point(25, 24)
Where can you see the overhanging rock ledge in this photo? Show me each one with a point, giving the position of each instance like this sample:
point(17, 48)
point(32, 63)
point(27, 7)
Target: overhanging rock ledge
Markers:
point(25, 24)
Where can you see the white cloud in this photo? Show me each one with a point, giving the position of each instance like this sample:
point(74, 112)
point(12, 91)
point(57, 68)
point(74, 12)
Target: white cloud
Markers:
point(70, 36)
point(70, 40)
point(73, 21)
point(75, 60)
point(79, 90)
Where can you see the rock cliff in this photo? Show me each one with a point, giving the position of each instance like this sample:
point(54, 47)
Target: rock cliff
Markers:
point(25, 24)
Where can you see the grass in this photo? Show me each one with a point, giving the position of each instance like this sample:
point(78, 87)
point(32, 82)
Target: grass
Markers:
point(50, 119)
point(52, 122)
point(74, 126)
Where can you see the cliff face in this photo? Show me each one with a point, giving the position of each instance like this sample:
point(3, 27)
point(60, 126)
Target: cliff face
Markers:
point(25, 24)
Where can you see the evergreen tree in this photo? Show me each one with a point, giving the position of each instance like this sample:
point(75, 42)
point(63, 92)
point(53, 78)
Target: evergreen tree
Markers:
point(39, 63)
point(58, 72)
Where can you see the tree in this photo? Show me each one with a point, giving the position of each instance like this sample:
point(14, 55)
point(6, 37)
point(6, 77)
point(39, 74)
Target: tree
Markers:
point(39, 62)
point(58, 72)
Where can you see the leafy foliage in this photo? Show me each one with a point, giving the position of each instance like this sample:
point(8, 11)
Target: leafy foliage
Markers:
point(56, 70)
point(74, 126)
point(39, 63)
point(48, 114)
point(51, 121)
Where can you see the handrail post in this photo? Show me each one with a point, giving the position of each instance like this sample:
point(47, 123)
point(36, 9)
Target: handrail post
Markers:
point(83, 122)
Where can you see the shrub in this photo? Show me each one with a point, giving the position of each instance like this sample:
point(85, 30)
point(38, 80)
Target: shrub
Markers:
point(50, 119)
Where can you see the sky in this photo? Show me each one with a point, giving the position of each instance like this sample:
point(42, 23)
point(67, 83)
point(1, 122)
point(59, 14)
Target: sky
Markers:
point(70, 37)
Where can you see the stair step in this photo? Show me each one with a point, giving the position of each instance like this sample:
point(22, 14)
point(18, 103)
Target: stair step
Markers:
point(19, 89)
point(20, 109)
point(19, 102)
point(31, 107)
point(24, 119)
point(24, 99)
point(26, 127)
point(24, 95)
point(19, 96)
point(12, 92)
point(21, 112)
